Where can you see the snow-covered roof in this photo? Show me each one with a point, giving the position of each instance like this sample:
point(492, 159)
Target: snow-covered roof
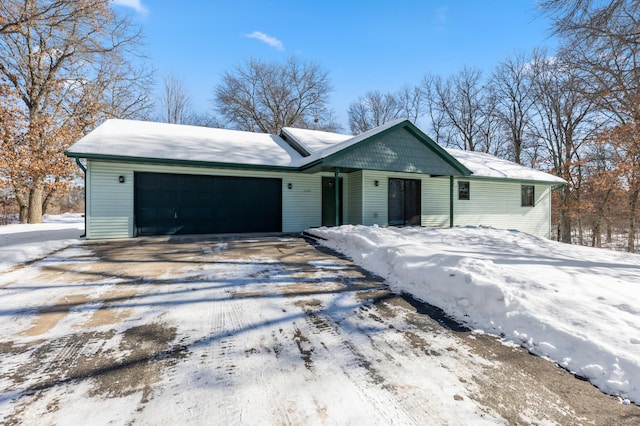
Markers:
point(174, 142)
point(314, 140)
point(143, 139)
point(489, 166)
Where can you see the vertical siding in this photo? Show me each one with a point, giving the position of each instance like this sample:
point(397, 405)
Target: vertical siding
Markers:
point(354, 193)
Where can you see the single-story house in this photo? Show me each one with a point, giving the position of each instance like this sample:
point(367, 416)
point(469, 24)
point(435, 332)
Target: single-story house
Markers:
point(145, 178)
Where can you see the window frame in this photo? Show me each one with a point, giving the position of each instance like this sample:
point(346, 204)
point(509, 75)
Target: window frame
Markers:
point(460, 192)
point(528, 195)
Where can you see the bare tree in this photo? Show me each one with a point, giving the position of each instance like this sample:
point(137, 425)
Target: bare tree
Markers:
point(265, 97)
point(562, 126)
point(603, 39)
point(511, 83)
point(175, 100)
point(462, 107)
point(65, 65)
point(372, 110)
point(411, 102)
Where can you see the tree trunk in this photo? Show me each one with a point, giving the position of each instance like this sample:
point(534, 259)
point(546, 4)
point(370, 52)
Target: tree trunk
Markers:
point(633, 205)
point(580, 232)
point(564, 227)
point(596, 240)
point(45, 202)
point(35, 204)
point(23, 205)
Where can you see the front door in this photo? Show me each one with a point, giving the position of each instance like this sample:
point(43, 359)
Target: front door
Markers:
point(329, 201)
point(404, 202)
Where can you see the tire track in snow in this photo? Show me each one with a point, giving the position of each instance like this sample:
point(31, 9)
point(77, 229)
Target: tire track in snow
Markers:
point(355, 366)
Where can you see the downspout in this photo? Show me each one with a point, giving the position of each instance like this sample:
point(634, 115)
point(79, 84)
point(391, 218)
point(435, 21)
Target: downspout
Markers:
point(336, 185)
point(450, 201)
point(84, 170)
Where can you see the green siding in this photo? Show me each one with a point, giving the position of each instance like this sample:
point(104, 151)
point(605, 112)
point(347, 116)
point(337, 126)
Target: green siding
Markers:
point(397, 151)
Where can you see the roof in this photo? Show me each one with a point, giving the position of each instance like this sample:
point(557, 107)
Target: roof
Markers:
point(488, 166)
point(162, 141)
point(296, 150)
point(314, 140)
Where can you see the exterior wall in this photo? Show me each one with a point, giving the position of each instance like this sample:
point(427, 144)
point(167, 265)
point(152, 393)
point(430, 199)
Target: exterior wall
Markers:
point(110, 203)
point(498, 204)
point(494, 203)
point(354, 193)
point(375, 199)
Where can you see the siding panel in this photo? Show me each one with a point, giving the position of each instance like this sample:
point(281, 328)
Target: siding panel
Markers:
point(354, 191)
point(110, 203)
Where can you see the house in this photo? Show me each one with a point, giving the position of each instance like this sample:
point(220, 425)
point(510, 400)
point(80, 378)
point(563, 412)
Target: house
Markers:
point(146, 178)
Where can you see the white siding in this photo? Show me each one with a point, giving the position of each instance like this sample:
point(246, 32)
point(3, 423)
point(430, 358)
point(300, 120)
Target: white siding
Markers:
point(375, 199)
point(110, 203)
point(354, 193)
point(498, 204)
point(492, 202)
point(435, 202)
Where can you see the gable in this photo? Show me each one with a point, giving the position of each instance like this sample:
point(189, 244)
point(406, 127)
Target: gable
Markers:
point(398, 150)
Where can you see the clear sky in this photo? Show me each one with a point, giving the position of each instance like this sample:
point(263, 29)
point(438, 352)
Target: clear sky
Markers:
point(363, 45)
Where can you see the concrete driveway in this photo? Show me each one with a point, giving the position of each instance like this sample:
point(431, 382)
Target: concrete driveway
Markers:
point(264, 330)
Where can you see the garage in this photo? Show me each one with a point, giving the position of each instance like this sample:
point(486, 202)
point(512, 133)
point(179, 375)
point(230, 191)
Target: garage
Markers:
point(168, 204)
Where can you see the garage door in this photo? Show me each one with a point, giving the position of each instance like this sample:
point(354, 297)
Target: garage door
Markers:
point(193, 204)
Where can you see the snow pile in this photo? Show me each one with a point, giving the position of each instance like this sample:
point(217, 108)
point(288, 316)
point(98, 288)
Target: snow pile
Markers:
point(578, 306)
point(21, 243)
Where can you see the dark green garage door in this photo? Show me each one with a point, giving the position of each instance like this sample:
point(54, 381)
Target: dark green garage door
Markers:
point(168, 204)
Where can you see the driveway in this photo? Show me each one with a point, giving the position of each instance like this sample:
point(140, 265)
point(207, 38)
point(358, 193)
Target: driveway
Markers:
point(264, 330)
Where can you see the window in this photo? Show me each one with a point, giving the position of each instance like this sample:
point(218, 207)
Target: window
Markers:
point(463, 190)
point(528, 196)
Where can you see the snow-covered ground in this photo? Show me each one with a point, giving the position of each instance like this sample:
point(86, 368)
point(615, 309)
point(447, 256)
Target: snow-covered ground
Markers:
point(578, 306)
point(222, 330)
point(21, 243)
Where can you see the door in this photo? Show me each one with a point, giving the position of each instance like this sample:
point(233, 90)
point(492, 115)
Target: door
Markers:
point(329, 201)
point(167, 204)
point(404, 202)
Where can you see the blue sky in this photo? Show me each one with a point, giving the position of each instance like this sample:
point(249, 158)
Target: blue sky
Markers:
point(363, 45)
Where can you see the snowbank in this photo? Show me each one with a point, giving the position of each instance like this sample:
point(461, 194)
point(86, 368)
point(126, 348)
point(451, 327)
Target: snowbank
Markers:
point(22, 242)
point(578, 306)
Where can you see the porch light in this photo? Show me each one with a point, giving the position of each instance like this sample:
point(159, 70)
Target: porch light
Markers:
point(376, 182)
point(290, 185)
point(121, 179)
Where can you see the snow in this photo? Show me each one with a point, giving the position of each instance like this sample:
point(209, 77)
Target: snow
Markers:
point(489, 166)
point(148, 140)
point(21, 243)
point(175, 142)
point(231, 374)
point(577, 306)
point(314, 140)
point(574, 305)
